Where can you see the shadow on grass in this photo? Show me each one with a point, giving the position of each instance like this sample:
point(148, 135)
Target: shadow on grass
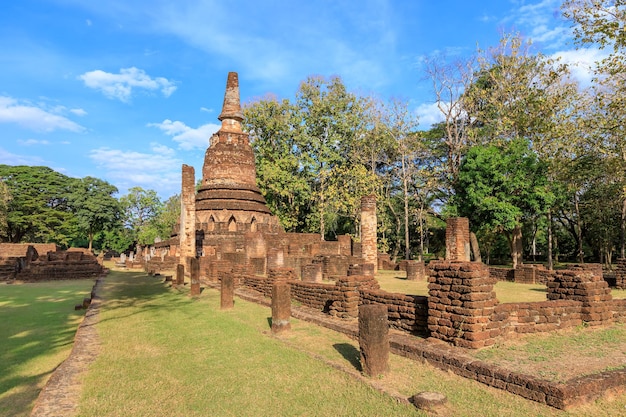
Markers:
point(137, 289)
point(539, 289)
point(350, 353)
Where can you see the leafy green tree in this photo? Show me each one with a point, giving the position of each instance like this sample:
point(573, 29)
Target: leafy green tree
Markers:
point(274, 131)
point(38, 210)
point(140, 208)
point(331, 120)
point(94, 206)
point(500, 186)
point(5, 198)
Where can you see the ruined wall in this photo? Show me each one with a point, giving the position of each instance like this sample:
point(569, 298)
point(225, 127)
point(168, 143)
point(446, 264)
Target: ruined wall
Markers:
point(408, 313)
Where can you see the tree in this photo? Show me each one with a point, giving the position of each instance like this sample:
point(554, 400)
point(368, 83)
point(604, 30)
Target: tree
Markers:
point(5, 198)
point(140, 207)
point(94, 206)
point(38, 210)
point(500, 186)
point(274, 131)
point(331, 120)
point(602, 23)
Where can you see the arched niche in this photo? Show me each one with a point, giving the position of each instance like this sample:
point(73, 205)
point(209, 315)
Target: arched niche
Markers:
point(232, 224)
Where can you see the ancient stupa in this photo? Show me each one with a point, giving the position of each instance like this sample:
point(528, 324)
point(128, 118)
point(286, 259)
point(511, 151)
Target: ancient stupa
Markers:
point(228, 194)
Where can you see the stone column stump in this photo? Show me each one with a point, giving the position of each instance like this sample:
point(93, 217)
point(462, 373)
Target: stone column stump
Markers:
point(374, 339)
point(195, 276)
point(227, 291)
point(180, 274)
point(281, 307)
point(415, 270)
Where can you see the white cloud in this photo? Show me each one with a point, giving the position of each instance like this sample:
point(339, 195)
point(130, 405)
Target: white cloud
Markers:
point(541, 21)
point(429, 114)
point(206, 110)
point(78, 112)
point(30, 142)
point(148, 170)
point(9, 158)
point(34, 117)
point(581, 62)
point(187, 137)
point(120, 86)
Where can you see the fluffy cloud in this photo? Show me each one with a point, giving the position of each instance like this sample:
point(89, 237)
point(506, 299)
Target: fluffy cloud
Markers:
point(78, 112)
point(120, 86)
point(187, 137)
point(159, 169)
point(429, 114)
point(34, 117)
point(581, 62)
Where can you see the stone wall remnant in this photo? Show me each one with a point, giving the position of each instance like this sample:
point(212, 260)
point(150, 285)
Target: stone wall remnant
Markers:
point(457, 239)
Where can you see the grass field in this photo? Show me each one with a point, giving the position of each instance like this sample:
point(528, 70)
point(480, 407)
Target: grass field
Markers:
point(164, 353)
point(38, 323)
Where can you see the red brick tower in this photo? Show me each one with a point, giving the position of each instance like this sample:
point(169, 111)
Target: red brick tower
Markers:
point(229, 199)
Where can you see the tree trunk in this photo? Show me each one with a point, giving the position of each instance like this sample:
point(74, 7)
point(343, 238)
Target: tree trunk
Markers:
point(550, 263)
point(421, 223)
point(622, 250)
point(475, 247)
point(516, 246)
point(579, 231)
point(90, 240)
point(322, 208)
point(405, 185)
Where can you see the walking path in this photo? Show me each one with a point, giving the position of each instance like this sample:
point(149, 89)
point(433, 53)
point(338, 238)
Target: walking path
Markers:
point(62, 391)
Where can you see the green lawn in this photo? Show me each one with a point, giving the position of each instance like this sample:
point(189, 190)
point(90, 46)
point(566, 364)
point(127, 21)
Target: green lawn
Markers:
point(165, 354)
point(38, 323)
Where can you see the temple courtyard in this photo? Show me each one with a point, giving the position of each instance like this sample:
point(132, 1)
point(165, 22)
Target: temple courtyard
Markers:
point(158, 351)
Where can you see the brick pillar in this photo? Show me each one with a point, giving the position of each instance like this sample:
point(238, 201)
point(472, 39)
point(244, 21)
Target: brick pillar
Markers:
point(311, 273)
point(275, 258)
point(461, 302)
point(195, 276)
point(457, 239)
point(620, 273)
point(281, 307)
point(374, 339)
point(586, 286)
point(415, 270)
point(345, 245)
point(180, 274)
point(369, 247)
point(227, 291)
point(187, 232)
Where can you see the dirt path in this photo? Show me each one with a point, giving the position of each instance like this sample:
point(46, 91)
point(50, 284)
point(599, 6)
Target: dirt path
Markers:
point(61, 393)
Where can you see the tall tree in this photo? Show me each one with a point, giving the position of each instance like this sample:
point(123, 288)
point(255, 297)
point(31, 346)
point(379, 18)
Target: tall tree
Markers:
point(94, 206)
point(38, 210)
point(274, 126)
point(332, 118)
point(500, 186)
point(602, 23)
point(140, 208)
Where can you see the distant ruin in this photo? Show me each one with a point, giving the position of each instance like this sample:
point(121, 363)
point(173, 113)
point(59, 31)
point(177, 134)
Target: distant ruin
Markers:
point(44, 262)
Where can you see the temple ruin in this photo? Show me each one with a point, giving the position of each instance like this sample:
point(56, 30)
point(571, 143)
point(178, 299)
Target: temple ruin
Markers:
point(227, 223)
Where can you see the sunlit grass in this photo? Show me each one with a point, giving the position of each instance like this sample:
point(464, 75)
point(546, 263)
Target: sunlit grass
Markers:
point(167, 354)
point(38, 323)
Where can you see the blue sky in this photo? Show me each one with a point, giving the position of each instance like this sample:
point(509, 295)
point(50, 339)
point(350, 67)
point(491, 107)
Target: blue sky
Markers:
point(128, 90)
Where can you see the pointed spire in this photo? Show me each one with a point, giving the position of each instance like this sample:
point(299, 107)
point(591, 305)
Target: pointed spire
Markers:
point(231, 110)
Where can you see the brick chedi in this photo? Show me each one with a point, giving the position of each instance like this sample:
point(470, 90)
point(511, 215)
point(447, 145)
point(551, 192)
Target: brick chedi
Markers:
point(228, 193)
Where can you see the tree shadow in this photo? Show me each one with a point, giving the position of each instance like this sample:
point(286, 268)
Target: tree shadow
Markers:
point(350, 353)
